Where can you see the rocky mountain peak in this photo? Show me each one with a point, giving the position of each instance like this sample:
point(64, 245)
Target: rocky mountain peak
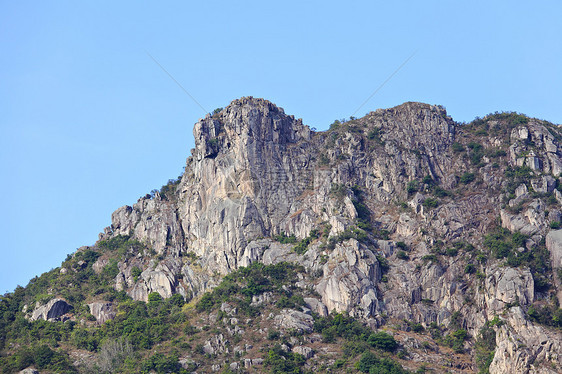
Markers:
point(417, 126)
point(444, 234)
point(246, 121)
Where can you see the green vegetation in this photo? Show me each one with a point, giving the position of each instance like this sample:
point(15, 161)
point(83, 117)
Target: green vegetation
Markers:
point(402, 255)
point(302, 246)
point(476, 153)
point(239, 287)
point(503, 244)
point(413, 186)
point(370, 363)
point(284, 239)
point(375, 134)
point(467, 178)
point(41, 356)
point(485, 345)
point(347, 328)
point(136, 272)
point(363, 212)
point(279, 361)
point(167, 192)
point(430, 203)
point(470, 269)
point(456, 340)
point(516, 176)
point(457, 147)
point(549, 315)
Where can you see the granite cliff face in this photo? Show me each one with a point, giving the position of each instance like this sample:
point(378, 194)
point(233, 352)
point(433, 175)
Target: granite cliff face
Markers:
point(395, 216)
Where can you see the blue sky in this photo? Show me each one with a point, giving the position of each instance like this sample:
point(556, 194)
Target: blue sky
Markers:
point(90, 123)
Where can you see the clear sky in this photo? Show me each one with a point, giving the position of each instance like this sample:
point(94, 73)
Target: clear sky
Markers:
point(90, 123)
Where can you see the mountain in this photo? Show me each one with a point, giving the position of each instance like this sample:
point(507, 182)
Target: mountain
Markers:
point(399, 242)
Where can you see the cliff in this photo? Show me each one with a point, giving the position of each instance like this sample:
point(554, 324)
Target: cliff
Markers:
point(402, 219)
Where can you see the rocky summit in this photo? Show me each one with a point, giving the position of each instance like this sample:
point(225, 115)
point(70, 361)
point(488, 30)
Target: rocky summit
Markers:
point(400, 242)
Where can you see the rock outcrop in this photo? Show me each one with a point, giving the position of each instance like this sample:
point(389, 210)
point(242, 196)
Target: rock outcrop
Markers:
point(102, 311)
point(52, 311)
point(388, 213)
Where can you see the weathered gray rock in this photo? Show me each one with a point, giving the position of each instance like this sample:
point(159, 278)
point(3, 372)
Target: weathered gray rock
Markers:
point(508, 286)
point(307, 352)
point(256, 172)
point(524, 347)
point(249, 362)
point(289, 319)
point(316, 306)
point(102, 311)
point(217, 344)
point(29, 370)
point(554, 245)
point(52, 311)
point(349, 281)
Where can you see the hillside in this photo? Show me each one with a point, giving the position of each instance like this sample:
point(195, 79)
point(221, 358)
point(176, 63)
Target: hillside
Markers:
point(399, 242)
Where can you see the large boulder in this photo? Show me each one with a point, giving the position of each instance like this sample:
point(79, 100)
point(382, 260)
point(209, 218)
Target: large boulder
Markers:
point(52, 311)
point(102, 311)
point(29, 370)
point(290, 319)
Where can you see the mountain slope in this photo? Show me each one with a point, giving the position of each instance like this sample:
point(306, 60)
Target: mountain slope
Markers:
point(442, 234)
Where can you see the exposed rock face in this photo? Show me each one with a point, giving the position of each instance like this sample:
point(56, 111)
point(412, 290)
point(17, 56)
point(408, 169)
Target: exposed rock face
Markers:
point(307, 352)
point(256, 173)
point(29, 371)
point(52, 311)
point(524, 347)
point(508, 286)
point(290, 319)
point(102, 311)
point(554, 245)
point(349, 280)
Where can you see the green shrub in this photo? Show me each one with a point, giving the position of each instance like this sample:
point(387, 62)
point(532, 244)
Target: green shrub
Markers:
point(452, 252)
point(284, 239)
point(370, 363)
point(383, 341)
point(162, 364)
point(280, 361)
point(402, 255)
point(467, 178)
point(457, 147)
point(136, 272)
point(413, 186)
point(469, 269)
point(456, 339)
point(484, 348)
point(430, 203)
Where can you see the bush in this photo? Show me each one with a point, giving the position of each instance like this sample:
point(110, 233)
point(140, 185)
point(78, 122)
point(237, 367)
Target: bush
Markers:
point(402, 255)
point(485, 348)
point(383, 341)
point(136, 272)
point(457, 147)
point(369, 363)
point(284, 239)
point(413, 186)
point(452, 252)
point(470, 269)
point(467, 178)
point(160, 363)
point(456, 340)
point(280, 361)
point(430, 203)
point(416, 327)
